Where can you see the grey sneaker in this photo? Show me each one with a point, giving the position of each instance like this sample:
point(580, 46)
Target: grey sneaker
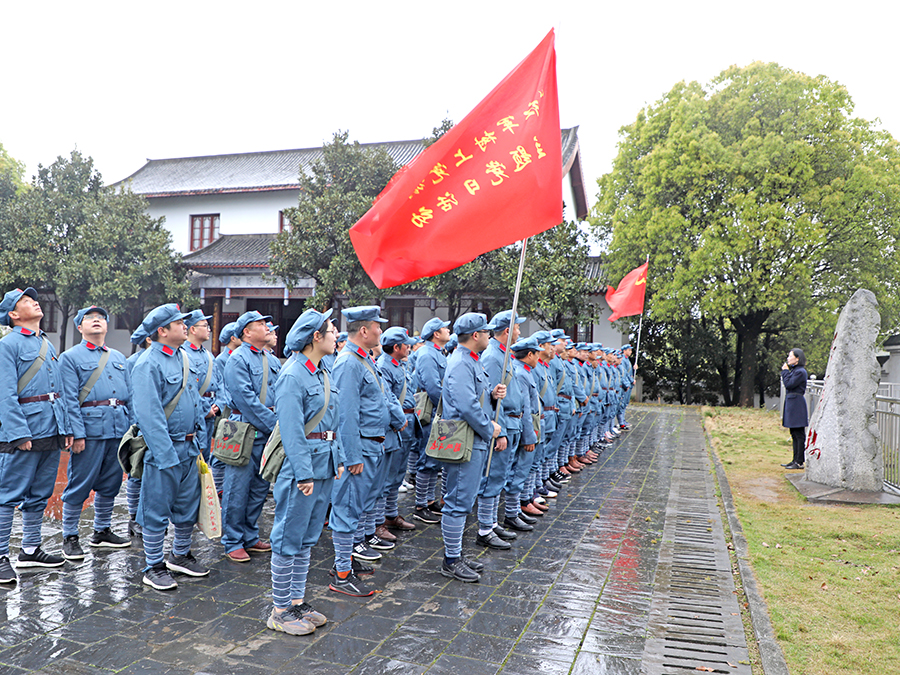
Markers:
point(39, 558)
point(305, 611)
point(158, 577)
point(363, 551)
point(186, 564)
point(72, 549)
point(107, 539)
point(7, 573)
point(350, 586)
point(290, 623)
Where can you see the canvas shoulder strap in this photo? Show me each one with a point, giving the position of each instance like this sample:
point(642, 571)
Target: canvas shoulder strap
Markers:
point(209, 374)
point(185, 372)
point(559, 386)
point(264, 393)
point(314, 422)
point(546, 380)
point(35, 366)
point(92, 380)
point(369, 367)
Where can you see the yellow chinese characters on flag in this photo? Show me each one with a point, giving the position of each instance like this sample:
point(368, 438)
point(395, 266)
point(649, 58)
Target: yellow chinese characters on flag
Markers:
point(493, 179)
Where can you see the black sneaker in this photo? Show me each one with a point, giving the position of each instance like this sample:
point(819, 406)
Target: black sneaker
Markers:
point(435, 507)
point(350, 586)
point(186, 564)
point(427, 516)
point(39, 558)
point(158, 577)
point(135, 531)
point(379, 544)
point(72, 549)
point(363, 552)
point(473, 564)
point(459, 571)
point(7, 573)
point(359, 568)
point(106, 538)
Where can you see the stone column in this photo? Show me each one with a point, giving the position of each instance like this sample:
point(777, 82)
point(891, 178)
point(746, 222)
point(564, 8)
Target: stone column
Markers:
point(843, 447)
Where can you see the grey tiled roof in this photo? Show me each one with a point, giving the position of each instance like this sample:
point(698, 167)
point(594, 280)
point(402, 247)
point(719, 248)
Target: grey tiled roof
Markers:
point(232, 250)
point(263, 171)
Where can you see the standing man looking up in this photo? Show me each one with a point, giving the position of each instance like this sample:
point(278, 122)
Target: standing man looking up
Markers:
point(203, 370)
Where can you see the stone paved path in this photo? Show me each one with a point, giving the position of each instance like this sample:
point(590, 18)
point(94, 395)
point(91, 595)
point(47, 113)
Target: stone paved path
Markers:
point(575, 596)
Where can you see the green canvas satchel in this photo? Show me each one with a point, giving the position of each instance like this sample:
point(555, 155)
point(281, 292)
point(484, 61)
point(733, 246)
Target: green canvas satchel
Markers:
point(450, 441)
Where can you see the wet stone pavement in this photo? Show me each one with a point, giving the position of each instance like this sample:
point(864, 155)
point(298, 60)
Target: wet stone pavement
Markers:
point(574, 596)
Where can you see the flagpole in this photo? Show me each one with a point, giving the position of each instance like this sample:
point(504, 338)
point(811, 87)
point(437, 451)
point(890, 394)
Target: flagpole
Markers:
point(637, 351)
point(512, 322)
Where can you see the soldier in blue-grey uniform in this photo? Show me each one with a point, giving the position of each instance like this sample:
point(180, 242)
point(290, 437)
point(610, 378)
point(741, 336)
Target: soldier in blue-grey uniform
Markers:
point(431, 364)
point(34, 428)
point(97, 395)
point(468, 397)
point(305, 397)
point(133, 485)
point(560, 380)
point(395, 344)
point(243, 490)
point(364, 419)
point(627, 382)
point(170, 485)
point(490, 534)
point(546, 385)
point(203, 369)
point(229, 342)
point(586, 378)
point(579, 400)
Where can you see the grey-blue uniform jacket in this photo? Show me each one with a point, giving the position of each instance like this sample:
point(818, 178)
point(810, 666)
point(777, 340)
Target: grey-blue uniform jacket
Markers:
point(395, 374)
point(514, 403)
point(20, 422)
point(77, 365)
point(299, 396)
point(532, 403)
point(363, 408)
point(221, 398)
point(565, 387)
point(431, 366)
point(464, 384)
point(243, 380)
point(543, 375)
point(577, 386)
point(201, 360)
point(156, 379)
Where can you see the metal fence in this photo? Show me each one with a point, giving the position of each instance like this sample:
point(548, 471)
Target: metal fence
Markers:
point(887, 416)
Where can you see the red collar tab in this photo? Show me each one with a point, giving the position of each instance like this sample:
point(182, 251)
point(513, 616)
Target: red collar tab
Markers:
point(195, 347)
point(254, 349)
point(526, 367)
point(395, 361)
point(473, 355)
point(90, 345)
point(502, 346)
point(362, 352)
point(542, 363)
point(310, 366)
point(167, 350)
point(25, 331)
point(435, 346)
point(230, 350)
point(580, 363)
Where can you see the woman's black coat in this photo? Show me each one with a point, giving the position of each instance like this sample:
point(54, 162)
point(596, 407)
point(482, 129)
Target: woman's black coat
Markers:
point(795, 411)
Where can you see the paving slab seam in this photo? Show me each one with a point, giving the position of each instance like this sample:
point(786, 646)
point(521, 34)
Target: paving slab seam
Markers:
point(773, 661)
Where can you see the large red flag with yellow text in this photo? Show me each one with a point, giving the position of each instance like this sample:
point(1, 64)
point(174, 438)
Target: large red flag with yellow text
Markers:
point(628, 298)
point(493, 179)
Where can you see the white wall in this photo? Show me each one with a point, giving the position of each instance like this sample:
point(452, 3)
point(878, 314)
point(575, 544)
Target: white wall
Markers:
point(247, 213)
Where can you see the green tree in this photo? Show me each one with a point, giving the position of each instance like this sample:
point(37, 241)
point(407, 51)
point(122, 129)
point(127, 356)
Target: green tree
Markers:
point(337, 191)
point(70, 236)
point(11, 176)
point(758, 197)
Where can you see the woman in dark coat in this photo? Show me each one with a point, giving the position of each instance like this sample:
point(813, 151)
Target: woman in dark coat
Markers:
point(795, 416)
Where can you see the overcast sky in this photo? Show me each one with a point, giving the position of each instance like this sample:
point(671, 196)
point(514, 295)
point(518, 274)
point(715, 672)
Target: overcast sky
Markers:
point(128, 81)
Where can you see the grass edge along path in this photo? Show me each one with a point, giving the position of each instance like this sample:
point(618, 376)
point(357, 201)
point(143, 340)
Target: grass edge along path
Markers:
point(830, 575)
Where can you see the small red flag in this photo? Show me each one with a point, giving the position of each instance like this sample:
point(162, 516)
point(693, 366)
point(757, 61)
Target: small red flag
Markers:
point(628, 298)
point(493, 179)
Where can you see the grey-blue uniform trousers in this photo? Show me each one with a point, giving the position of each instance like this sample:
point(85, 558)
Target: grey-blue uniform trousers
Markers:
point(97, 466)
point(615, 377)
point(27, 477)
point(465, 385)
point(170, 485)
point(397, 444)
point(431, 365)
point(627, 384)
point(586, 377)
point(603, 390)
point(299, 396)
point(522, 460)
point(563, 388)
point(568, 410)
point(243, 490)
point(579, 395)
point(133, 488)
point(364, 417)
point(221, 399)
point(201, 361)
point(510, 420)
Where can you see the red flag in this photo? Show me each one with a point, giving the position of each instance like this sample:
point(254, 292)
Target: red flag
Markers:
point(628, 298)
point(493, 179)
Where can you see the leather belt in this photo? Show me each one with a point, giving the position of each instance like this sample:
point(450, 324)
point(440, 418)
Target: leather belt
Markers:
point(207, 394)
point(516, 415)
point(379, 439)
point(114, 402)
point(52, 396)
point(188, 438)
point(409, 411)
point(322, 436)
point(551, 407)
point(235, 411)
point(565, 396)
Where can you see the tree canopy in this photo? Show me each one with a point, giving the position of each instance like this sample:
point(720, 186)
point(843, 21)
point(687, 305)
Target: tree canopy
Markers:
point(763, 204)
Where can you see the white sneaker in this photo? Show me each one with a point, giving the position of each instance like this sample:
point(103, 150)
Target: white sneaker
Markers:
point(406, 487)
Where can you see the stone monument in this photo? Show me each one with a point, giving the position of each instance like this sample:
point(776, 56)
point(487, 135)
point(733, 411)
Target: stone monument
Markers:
point(843, 447)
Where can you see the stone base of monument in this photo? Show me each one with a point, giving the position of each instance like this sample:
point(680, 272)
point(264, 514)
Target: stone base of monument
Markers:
point(828, 494)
